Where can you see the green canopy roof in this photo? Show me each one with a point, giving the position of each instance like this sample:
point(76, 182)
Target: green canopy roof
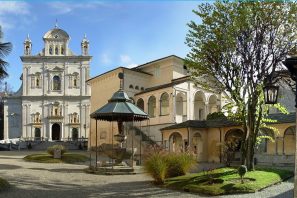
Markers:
point(119, 108)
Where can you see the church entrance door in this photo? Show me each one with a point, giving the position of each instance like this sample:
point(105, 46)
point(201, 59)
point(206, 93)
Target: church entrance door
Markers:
point(56, 131)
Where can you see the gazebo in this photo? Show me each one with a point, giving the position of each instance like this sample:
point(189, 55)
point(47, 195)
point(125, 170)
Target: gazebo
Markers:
point(119, 109)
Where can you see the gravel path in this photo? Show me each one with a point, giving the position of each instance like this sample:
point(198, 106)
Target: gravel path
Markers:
point(32, 180)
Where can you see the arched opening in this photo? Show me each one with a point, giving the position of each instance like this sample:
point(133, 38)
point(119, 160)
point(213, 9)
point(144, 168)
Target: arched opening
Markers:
point(164, 104)
point(62, 50)
point(56, 130)
point(212, 103)
point(181, 107)
point(175, 142)
point(37, 133)
point(264, 142)
point(140, 103)
point(289, 140)
point(137, 87)
point(197, 145)
point(199, 106)
point(56, 83)
point(74, 134)
point(152, 106)
point(56, 50)
point(234, 137)
point(131, 86)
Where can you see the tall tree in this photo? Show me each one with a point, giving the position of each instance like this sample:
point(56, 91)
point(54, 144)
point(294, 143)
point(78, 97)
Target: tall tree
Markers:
point(5, 49)
point(237, 47)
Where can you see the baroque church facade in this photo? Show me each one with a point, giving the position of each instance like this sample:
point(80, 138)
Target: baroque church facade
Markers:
point(53, 102)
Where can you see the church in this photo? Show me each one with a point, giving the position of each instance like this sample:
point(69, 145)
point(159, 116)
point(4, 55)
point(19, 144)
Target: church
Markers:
point(53, 102)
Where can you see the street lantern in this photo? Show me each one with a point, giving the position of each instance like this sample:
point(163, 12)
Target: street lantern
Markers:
point(270, 93)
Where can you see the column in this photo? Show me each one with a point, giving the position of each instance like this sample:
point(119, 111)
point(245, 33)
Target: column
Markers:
point(62, 131)
point(206, 110)
point(83, 79)
point(28, 119)
point(80, 120)
point(24, 113)
point(25, 81)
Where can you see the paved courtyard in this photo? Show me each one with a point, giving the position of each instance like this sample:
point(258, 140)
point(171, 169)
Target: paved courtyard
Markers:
point(30, 180)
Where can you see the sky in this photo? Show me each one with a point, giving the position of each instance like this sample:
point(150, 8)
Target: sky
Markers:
point(121, 33)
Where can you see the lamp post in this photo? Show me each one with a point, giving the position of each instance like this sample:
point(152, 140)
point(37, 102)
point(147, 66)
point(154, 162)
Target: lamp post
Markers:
point(291, 64)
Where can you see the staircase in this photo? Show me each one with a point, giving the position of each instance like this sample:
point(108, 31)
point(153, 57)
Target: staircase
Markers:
point(141, 141)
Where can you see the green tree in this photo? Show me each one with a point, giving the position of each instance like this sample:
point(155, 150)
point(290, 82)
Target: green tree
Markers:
point(237, 48)
point(5, 49)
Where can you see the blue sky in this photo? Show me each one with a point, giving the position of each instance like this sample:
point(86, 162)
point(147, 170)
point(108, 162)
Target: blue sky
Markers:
point(121, 33)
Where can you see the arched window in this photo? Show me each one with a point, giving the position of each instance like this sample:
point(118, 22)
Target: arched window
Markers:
point(142, 88)
point(233, 140)
point(289, 141)
point(56, 83)
point(140, 103)
point(56, 50)
point(136, 87)
point(152, 106)
point(164, 104)
point(50, 50)
point(62, 50)
point(131, 86)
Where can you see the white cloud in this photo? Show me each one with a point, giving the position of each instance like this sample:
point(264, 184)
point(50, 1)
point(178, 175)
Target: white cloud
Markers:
point(65, 8)
point(13, 14)
point(105, 58)
point(127, 61)
point(14, 7)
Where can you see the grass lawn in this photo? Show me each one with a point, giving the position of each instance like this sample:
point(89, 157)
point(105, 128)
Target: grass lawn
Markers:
point(4, 185)
point(66, 158)
point(227, 181)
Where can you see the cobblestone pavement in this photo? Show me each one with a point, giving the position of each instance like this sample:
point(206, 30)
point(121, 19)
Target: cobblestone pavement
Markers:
point(32, 180)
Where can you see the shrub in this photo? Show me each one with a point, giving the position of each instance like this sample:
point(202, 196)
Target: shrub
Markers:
point(156, 166)
point(51, 149)
point(242, 171)
point(179, 164)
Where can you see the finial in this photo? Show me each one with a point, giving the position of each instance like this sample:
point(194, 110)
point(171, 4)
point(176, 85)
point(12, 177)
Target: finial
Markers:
point(56, 25)
point(85, 36)
point(28, 37)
